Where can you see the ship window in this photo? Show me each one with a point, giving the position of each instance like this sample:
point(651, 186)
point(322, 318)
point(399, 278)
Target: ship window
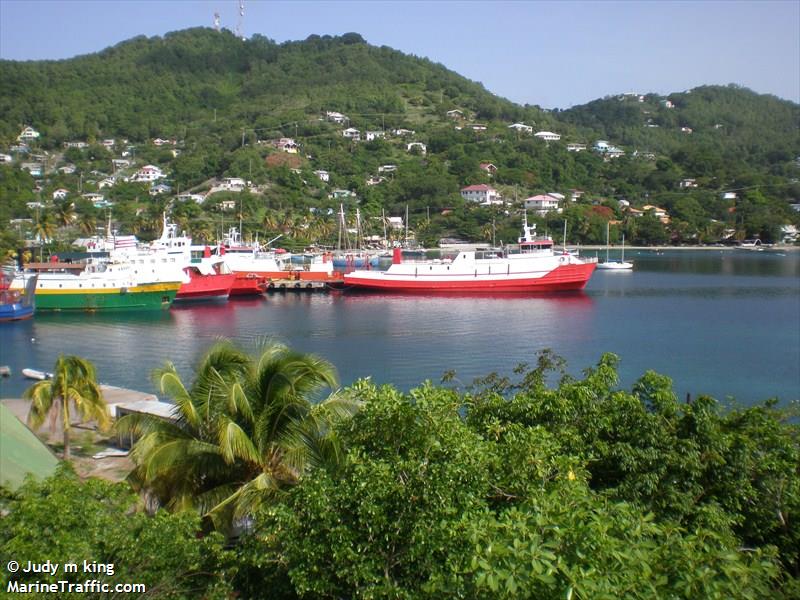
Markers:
point(59, 285)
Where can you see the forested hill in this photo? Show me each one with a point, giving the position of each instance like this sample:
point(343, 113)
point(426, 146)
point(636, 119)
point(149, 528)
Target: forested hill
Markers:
point(157, 86)
point(716, 163)
point(707, 126)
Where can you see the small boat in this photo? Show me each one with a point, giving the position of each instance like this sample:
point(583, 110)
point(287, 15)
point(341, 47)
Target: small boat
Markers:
point(36, 374)
point(615, 265)
point(533, 266)
point(16, 304)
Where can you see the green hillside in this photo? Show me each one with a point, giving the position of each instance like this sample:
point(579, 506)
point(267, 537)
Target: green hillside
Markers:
point(144, 87)
point(723, 162)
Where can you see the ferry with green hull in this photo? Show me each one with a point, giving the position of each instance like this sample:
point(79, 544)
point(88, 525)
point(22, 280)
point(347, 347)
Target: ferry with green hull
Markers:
point(96, 285)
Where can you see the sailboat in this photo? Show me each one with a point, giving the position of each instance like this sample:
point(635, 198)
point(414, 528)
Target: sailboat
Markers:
point(615, 265)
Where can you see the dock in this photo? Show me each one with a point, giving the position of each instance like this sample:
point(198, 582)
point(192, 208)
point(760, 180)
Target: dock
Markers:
point(116, 398)
point(293, 285)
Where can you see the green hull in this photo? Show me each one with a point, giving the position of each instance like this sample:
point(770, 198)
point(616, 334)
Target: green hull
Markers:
point(132, 299)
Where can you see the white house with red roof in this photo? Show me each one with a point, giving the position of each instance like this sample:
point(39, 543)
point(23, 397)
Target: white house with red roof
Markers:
point(489, 168)
point(148, 173)
point(481, 194)
point(285, 145)
point(543, 204)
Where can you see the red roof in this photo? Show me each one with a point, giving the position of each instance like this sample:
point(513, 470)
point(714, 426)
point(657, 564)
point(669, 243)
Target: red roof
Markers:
point(481, 187)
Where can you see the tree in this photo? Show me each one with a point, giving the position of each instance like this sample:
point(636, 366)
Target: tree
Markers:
point(63, 519)
point(244, 430)
point(73, 389)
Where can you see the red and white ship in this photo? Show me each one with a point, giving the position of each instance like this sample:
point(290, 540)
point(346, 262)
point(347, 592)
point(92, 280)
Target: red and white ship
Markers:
point(252, 263)
point(204, 277)
point(532, 267)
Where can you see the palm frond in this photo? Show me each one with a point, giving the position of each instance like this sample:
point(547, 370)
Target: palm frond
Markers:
point(234, 443)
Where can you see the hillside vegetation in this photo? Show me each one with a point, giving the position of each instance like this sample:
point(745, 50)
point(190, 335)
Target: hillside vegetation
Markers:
point(220, 101)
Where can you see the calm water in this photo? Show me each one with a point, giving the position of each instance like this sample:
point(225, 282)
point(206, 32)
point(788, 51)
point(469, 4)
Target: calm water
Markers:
point(721, 323)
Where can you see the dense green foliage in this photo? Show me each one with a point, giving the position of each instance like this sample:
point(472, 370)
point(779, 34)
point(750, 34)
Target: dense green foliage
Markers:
point(244, 430)
point(510, 488)
point(217, 96)
point(65, 520)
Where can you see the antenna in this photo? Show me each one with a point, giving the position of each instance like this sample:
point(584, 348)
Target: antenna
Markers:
point(216, 21)
point(240, 22)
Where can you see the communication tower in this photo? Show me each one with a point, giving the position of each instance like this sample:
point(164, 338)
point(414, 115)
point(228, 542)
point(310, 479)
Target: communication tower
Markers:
point(240, 22)
point(216, 21)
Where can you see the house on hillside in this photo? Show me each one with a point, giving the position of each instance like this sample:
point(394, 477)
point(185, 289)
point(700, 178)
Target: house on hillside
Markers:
point(27, 134)
point(395, 222)
point(186, 197)
point(576, 147)
point(455, 114)
point(489, 168)
point(335, 117)
point(233, 184)
point(657, 212)
point(482, 194)
point(342, 195)
point(161, 188)
point(78, 144)
point(543, 204)
point(478, 127)
point(423, 149)
point(374, 135)
point(147, 174)
point(6, 158)
point(352, 133)
point(686, 130)
point(60, 194)
point(387, 168)
point(34, 168)
point(688, 183)
point(323, 175)
point(607, 150)
point(285, 145)
point(403, 132)
point(521, 128)
point(547, 136)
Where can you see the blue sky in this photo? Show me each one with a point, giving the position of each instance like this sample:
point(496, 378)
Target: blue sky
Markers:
point(554, 54)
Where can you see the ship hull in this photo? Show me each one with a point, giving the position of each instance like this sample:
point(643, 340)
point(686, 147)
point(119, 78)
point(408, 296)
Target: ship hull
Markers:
point(154, 296)
point(206, 288)
point(569, 277)
point(15, 312)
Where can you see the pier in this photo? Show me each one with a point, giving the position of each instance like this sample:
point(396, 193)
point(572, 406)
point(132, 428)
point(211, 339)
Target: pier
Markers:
point(293, 285)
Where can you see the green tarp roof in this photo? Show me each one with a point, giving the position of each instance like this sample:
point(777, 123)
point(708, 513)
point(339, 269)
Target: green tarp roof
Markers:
point(21, 452)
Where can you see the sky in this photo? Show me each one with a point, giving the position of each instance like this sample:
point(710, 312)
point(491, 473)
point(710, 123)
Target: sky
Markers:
point(553, 54)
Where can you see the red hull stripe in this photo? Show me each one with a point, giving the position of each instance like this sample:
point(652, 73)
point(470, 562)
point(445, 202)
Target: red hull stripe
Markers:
point(567, 277)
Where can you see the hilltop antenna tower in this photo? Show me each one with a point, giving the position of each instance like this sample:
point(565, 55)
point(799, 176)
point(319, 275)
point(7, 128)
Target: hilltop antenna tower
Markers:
point(240, 22)
point(216, 21)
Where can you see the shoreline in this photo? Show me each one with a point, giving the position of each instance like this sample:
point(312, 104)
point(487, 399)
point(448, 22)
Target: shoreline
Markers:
point(775, 248)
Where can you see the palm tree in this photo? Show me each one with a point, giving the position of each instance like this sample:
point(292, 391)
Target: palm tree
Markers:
point(245, 430)
point(74, 384)
point(45, 228)
point(87, 223)
point(65, 213)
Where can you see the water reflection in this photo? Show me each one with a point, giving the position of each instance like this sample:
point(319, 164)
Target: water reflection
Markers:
point(718, 323)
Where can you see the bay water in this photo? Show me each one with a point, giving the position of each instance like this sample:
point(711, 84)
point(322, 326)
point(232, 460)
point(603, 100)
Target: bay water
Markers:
point(719, 322)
